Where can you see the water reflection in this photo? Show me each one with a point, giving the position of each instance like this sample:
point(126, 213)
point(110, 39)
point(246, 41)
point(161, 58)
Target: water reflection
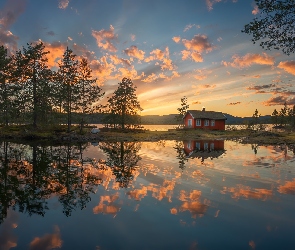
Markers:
point(31, 174)
point(204, 149)
point(114, 194)
point(122, 158)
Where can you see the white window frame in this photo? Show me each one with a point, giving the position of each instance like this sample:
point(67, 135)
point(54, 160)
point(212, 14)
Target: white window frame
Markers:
point(206, 123)
point(212, 123)
point(198, 122)
point(190, 123)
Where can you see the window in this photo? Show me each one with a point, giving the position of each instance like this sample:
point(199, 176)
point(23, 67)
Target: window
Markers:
point(206, 122)
point(189, 123)
point(206, 146)
point(198, 146)
point(211, 146)
point(212, 123)
point(198, 122)
point(189, 145)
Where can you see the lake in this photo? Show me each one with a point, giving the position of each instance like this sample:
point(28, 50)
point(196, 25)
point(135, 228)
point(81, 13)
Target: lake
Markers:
point(193, 194)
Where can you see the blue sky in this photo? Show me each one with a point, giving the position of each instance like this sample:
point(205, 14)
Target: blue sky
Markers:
point(169, 48)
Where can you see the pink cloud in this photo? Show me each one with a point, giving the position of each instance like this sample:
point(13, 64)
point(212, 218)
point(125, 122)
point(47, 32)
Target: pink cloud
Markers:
point(48, 241)
point(63, 4)
point(8, 15)
point(249, 59)
point(255, 11)
point(104, 39)
point(176, 39)
point(133, 51)
point(288, 66)
point(199, 43)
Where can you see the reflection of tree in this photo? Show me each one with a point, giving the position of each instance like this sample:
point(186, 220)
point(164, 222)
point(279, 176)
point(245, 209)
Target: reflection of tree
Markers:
point(255, 148)
point(181, 156)
point(122, 158)
point(30, 175)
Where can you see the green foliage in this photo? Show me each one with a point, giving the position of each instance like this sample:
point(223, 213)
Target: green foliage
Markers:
point(123, 106)
point(275, 26)
point(182, 111)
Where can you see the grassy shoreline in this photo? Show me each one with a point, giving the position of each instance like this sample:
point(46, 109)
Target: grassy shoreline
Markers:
point(59, 134)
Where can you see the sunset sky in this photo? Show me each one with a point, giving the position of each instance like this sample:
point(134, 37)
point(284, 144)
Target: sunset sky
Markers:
point(169, 48)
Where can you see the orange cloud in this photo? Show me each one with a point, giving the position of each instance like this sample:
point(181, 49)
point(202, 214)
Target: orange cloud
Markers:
point(255, 11)
point(133, 51)
point(63, 4)
point(48, 241)
point(198, 43)
point(288, 66)
point(288, 188)
point(107, 209)
point(249, 59)
point(162, 56)
point(56, 51)
point(247, 193)
point(104, 39)
point(176, 39)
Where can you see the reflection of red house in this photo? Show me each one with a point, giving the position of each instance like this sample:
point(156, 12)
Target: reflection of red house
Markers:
point(204, 119)
point(204, 148)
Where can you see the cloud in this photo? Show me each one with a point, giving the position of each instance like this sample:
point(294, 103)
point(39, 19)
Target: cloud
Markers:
point(194, 47)
point(202, 74)
point(260, 87)
point(189, 26)
point(280, 100)
point(63, 4)
point(50, 33)
point(287, 188)
point(163, 57)
point(48, 241)
point(288, 66)
point(233, 103)
point(133, 37)
point(104, 39)
point(133, 51)
point(56, 51)
point(176, 39)
point(8, 15)
point(255, 11)
point(116, 60)
point(196, 102)
point(198, 43)
point(249, 59)
point(210, 3)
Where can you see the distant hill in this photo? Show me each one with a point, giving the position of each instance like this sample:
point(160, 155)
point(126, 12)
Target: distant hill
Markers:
point(170, 119)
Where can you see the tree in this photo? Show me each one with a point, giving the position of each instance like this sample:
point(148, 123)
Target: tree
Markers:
point(68, 92)
point(275, 26)
point(123, 106)
point(275, 117)
point(255, 122)
point(182, 111)
point(35, 77)
point(90, 92)
point(283, 114)
point(8, 87)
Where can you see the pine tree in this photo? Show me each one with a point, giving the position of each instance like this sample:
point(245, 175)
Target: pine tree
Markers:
point(90, 92)
point(275, 117)
point(35, 77)
point(182, 111)
point(67, 85)
point(8, 87)
point(123, 106)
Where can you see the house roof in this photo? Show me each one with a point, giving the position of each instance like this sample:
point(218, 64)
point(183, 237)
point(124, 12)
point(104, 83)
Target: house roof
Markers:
point(202, 114)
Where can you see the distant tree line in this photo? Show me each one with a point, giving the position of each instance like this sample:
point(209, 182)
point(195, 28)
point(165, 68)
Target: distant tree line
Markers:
point(33, 93)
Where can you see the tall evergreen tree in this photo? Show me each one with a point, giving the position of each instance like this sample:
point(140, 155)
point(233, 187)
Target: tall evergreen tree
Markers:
point(275, 117)
point(35, 77)
point(68, 77)
point(8, 87)
point(90, 92)
point(182, 111)
point(123, 106)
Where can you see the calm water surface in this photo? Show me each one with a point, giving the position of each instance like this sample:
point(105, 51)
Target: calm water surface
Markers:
point(147, 195)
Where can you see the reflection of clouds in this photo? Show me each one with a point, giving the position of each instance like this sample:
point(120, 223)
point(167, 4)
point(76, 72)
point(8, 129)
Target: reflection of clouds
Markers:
point(48, 241)
point(111, 208)
point(247, 193)
point(7, 239)
point(252, 244)
point(288, 188)
point(191, 203)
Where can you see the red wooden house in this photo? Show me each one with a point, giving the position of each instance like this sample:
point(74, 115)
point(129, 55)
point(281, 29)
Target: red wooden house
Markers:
point(204, 119)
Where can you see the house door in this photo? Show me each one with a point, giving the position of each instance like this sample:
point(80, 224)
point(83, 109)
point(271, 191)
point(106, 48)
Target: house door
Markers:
point(189, 123)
